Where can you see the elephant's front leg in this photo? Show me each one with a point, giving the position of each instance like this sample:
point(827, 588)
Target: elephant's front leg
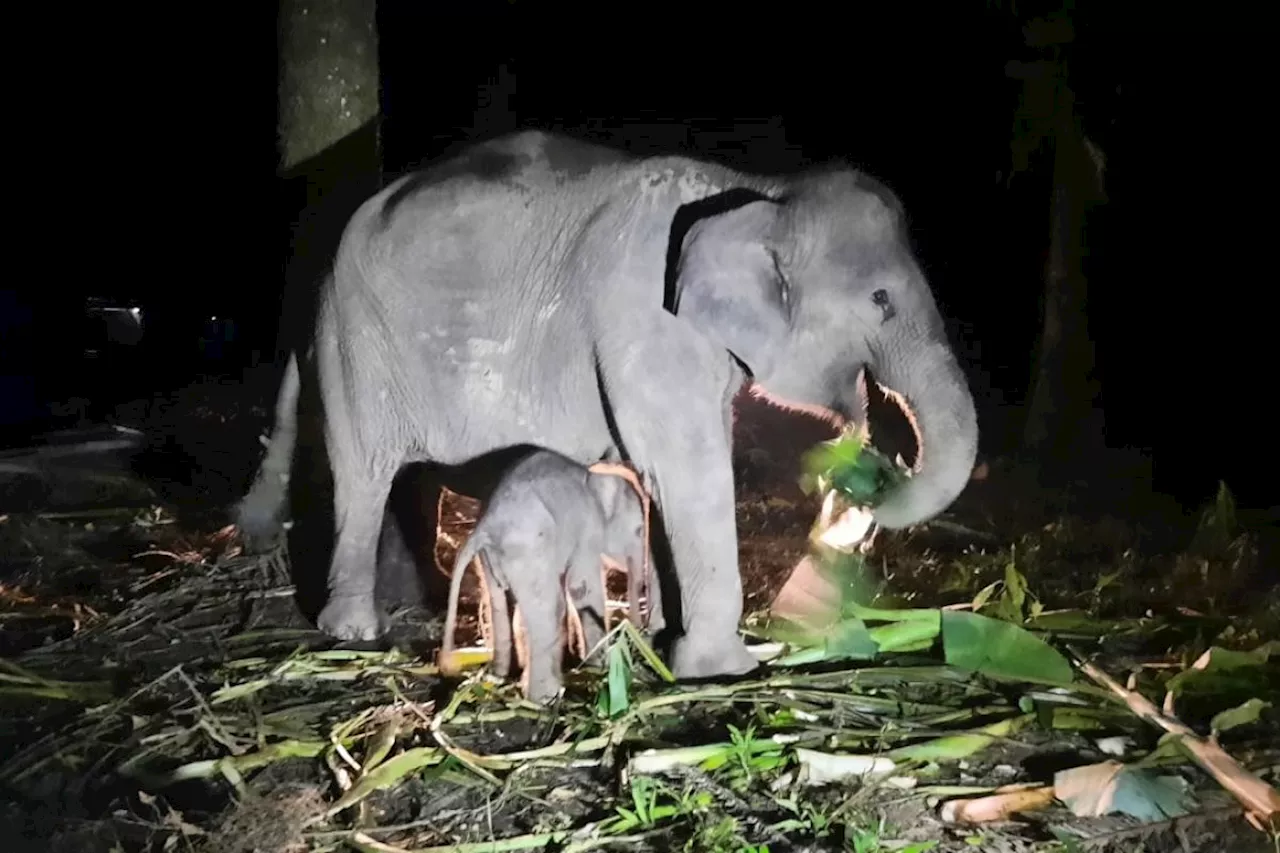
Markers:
point(544, 615)
point(685, 450)
point(698, 513)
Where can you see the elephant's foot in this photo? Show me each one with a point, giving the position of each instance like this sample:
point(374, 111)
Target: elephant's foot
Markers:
point(543, 689)
point(260, 528)
point(353, 617)
point(700, 655)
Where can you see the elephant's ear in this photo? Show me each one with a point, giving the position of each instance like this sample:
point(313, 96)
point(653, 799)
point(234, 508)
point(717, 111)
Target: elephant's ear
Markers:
point(728, 284)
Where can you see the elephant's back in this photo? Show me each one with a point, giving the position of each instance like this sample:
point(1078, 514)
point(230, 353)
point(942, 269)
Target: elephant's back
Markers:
point(522, 169)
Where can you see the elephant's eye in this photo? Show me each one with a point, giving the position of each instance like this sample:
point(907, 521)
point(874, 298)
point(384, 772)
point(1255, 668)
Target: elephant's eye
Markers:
point(880, 298)
point(784, 291)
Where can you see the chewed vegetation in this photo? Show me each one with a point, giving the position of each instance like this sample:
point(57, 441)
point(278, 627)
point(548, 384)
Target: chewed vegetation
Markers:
point(1013, 685)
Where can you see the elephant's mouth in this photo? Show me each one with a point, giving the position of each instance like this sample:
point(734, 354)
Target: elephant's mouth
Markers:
point(890, 421)
point(823, 413)
point(886, 415)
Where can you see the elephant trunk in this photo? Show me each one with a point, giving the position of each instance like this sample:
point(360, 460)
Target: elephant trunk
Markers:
point(934, 395)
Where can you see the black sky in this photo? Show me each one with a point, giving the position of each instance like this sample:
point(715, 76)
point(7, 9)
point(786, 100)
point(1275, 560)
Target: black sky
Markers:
point(165, 123)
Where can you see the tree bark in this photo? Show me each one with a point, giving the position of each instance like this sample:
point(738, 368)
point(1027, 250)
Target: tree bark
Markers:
point(495, 112)
point(329, 146)
point(1064, 418)
point(328, 87)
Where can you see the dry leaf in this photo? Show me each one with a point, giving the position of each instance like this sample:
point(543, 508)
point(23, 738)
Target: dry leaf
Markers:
point(847, 530)
point(808, 596)
point(822, 768)
point(1109, 787)
point(1087, 790)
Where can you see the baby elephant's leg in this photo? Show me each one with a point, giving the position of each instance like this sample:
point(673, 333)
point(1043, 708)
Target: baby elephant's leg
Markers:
point(585, 582)
point(541, 603)
point(495, 596)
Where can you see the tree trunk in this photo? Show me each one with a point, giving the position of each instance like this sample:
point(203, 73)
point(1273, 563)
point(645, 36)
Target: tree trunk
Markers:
point(1064, 419)
point(495, 112)
point(328, 74)
point(328, 125)
point(1064, 422)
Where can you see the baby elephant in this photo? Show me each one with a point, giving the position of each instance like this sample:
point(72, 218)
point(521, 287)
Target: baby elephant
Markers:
point(551, 520)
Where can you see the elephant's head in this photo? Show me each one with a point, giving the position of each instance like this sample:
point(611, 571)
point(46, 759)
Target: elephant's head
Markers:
point(816, 289)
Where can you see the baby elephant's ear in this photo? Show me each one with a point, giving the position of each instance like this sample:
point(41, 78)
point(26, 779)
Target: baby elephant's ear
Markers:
point(609, 491)
point(728, 285)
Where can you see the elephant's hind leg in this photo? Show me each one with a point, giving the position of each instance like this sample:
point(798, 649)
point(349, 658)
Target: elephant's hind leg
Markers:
point(359, 498)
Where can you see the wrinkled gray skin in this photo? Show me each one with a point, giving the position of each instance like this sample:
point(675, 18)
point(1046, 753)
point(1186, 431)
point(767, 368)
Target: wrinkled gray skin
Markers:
point(549, 521)
point(515, 295)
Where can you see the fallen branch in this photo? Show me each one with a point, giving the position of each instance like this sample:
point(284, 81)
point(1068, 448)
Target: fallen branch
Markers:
point(1260, 799)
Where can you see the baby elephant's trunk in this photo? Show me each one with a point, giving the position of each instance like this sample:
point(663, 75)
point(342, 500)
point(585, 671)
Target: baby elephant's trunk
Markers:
point(638, 577)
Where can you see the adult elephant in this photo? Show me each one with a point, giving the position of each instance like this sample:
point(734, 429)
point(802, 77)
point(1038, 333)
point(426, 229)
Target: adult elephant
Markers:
point(543, 291)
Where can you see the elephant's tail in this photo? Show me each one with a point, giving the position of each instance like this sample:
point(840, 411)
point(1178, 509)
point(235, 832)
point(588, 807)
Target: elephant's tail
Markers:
point(258, 514)
point(471, 549)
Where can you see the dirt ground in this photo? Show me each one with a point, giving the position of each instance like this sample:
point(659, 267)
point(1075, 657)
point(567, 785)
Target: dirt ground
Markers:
point(162, 691)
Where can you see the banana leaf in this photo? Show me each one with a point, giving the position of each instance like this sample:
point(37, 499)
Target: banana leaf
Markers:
point(853, 467)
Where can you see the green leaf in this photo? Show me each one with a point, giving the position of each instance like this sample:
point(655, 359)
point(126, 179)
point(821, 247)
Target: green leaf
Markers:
point(618, 682)
point(847, 574)
point(907, 635)
point(647, 653)
point(249, 761)
point(1105, 581)
point(984, 595)
point(1015, 587)
point(836, 453)
point(1072, 622)
point(1012, 605)
point(1225, 660)
point(1226, 672)
point(855, 469)
point(1267, 650)
point(915, 614)
point(802, 656)
point(1217, 524)
point(1241, 715)
point(1001, 649)
point(850, 639)
point(788, 631)
point(232, 692)
point(385, 775)
point(1169, 750)
point(955, 747)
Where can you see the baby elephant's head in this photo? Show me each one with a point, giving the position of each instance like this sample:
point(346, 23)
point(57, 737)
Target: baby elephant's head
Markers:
point(623, 513)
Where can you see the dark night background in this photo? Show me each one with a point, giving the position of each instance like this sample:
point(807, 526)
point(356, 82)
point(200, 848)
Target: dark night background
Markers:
point(168, 197)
